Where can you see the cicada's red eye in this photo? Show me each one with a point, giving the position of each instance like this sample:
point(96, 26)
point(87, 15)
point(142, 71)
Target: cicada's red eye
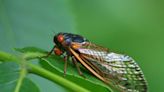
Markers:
point(57, 51)
point(60, 38)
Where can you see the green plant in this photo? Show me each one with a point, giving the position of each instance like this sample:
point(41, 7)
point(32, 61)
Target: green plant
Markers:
point(131, 27)
point(16, 68)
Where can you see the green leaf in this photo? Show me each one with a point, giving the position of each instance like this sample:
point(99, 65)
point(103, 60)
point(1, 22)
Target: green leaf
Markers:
point(9, 75)
point(28, 67)
point(55, 64)
point(31, 52)
point(30, 49)
point(29, 86)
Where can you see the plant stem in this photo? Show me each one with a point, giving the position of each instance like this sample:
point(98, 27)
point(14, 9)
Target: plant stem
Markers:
point(60, 80)
point(20, 80)
point(6, 57)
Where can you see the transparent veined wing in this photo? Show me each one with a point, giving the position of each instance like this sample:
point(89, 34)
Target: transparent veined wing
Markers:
point(119, 70)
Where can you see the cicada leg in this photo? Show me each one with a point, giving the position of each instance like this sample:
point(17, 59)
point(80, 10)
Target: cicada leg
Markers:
point(77, 66)
point(65, 64)
point(49, 53)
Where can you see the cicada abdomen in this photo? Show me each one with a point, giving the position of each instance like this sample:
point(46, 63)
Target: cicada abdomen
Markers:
point(116, 70)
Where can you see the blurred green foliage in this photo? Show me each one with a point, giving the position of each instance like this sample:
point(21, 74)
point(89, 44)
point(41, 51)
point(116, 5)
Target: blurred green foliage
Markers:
point(132, 27)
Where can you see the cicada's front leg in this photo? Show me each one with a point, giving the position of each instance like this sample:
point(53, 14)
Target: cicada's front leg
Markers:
point(49, 53)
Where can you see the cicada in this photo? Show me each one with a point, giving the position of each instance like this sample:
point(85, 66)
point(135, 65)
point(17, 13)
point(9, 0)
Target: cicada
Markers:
point(119, 71)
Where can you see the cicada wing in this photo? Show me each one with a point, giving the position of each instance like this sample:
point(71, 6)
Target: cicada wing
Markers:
point(119, 70)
